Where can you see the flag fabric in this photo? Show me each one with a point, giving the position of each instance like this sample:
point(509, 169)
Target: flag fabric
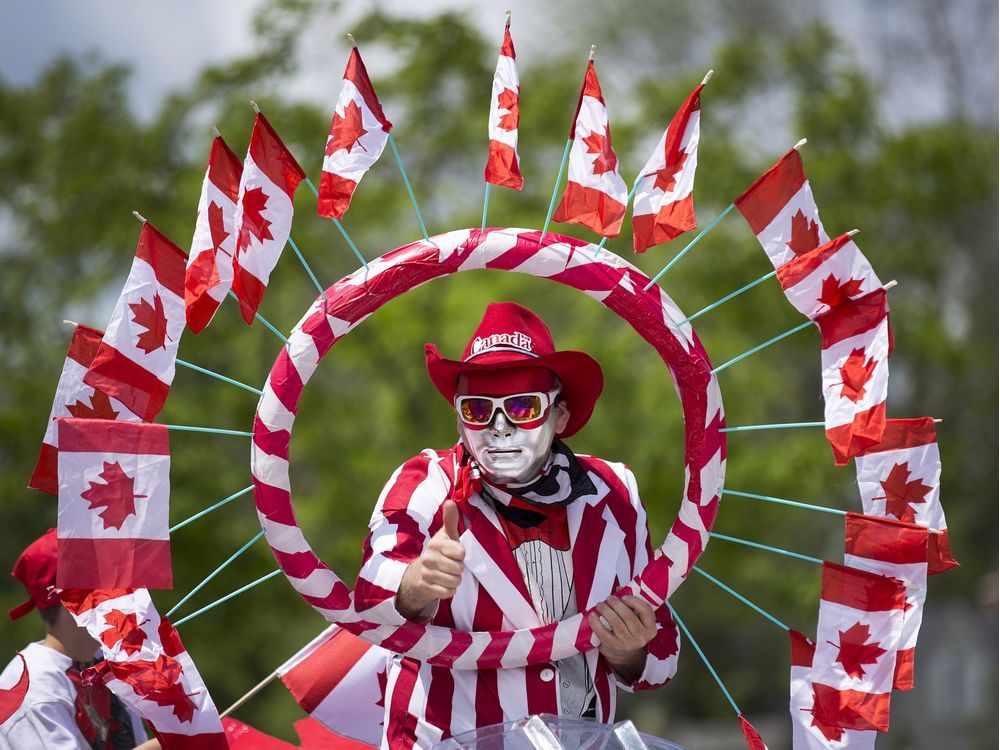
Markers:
point(340, 681)
point(358, 134)
point(781, 211)
point(900, 478)
point(809, 732)
point(209, 275)
point(146, 665)
point(858, 634)
point(263, 214)
point(595, 193)
point(74, 398)
point(312, 736)
point(664, 198)
point(114, 494)
point(135, 361)
point(899, 550)
point(827, 277)
point(751, 735)
point(502, 164)
point(856, 345)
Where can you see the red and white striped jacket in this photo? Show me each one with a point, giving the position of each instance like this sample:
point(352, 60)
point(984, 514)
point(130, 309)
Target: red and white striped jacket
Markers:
point(610, 544)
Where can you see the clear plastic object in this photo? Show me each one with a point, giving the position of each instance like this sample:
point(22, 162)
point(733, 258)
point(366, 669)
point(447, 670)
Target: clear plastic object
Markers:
point(549, 732)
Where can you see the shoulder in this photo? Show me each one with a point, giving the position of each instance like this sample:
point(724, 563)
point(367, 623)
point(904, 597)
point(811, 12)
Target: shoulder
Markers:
point(50, 695)
point(423, 480)
point(617, 475)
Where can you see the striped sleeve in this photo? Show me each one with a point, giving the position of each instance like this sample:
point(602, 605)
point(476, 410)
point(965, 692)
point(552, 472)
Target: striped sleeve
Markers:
point(399, 528)
point(663, 650)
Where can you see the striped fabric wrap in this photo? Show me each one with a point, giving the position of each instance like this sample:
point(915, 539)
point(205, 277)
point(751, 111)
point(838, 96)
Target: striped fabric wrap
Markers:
point(576, 263)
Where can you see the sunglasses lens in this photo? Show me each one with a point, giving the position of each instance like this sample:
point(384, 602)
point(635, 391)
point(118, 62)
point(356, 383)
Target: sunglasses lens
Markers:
point(476, 410)
point(524, 408)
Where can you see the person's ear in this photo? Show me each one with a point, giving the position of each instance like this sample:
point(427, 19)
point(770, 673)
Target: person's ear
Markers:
point(562, 416)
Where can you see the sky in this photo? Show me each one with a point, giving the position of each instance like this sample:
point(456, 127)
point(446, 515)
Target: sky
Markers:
point(924, 53)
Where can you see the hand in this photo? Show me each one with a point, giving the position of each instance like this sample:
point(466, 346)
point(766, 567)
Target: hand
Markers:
point(436, 573)
point(149, 745)
point(631, 624)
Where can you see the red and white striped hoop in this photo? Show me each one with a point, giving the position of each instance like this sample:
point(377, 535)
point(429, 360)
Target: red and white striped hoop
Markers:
point(603, 276)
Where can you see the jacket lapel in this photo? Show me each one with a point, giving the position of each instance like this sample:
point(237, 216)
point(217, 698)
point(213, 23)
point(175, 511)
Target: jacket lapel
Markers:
point(489, 558)
point(597, 543)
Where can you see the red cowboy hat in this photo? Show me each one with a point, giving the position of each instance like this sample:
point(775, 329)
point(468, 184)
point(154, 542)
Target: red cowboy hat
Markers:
point(511, 336)
point(36, 570)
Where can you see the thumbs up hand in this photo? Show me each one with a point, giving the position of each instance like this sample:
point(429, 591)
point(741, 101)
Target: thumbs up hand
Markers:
point(436, 573)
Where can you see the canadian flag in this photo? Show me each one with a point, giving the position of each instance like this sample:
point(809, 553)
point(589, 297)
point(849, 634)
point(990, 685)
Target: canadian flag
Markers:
point(595, 193)
point(664, 199)
point(74, 398)
point(900, 477)
point(502, 164)
point(858, 634)
point(751, 735)
point(340, 680)
point(263, 214)
point(135, 362)
point(857, 343)
point(809, 732)
point(833, 274)
point(114, 495)
point(781, 211)
point(312, 736)
point(147, 666)
point(209, 275)
point(896, 549)
point(358, 133)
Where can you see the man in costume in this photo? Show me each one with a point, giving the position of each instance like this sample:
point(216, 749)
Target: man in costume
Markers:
point(510, 529)
point(57, 711)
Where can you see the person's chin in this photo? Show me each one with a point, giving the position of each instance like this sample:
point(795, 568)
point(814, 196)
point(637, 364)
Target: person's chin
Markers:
point(506, 468)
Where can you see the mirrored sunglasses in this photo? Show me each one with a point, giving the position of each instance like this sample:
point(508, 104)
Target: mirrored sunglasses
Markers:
point(518, 408)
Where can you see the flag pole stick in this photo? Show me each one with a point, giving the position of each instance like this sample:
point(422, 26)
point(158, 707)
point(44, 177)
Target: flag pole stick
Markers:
point(741, 290)
point(780, 501)
point(779, 426)
point(343, 232)
point(409, 188)
point(562, 169)
point(228, 596)
point(249, 694)
point(776, 550)
point(197, 368)
point(264, 321)
point(210, 508)
point(776, 339)
point(742, 598)
point(215, 430)
point(486, 206)
point(702, 233)
point(711, 669)
point(214, 573)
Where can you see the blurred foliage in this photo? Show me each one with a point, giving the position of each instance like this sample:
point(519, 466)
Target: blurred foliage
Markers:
point(75, 160)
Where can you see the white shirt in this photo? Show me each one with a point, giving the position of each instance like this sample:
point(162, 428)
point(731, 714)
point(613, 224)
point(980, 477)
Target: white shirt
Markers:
point(46, 719)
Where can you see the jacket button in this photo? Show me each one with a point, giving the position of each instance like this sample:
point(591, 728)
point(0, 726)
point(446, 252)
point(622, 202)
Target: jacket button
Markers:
point(547, 675)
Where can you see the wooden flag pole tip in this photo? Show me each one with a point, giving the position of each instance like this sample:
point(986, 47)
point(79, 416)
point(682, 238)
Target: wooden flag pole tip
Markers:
point(853, 232)
point(256, 108)
point(800, 144)
point(507, 25)
point(708, 77)
point(350, 38)
point(593, 51)
point(215, 131)
point(889, 285)
point(70, 323)
point(139, 216)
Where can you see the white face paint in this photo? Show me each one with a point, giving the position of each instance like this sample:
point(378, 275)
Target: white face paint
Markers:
point(508, 454)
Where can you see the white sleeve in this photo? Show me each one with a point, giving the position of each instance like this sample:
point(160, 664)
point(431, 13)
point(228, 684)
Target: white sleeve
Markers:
point(45, 726)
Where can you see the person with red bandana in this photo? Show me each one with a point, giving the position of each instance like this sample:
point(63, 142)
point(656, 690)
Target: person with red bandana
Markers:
point(44, 704)
point(510, 529)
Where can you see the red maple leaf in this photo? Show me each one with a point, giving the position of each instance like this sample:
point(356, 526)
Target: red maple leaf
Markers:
point(901, 494)
point(158, 681)
point(834, 294)
point(383, 680)
point(600, 144)
point(805, 234)
point(346, 130)
point(855, 374)
point(154, 320)
point(175, 697)
point(855, 651)
point(254, 203)
point(665, 177)
point(217, 226)
point(824, 724)
point(99, 407)
point(117, 495)
point(125, 628)
point(507, 99)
